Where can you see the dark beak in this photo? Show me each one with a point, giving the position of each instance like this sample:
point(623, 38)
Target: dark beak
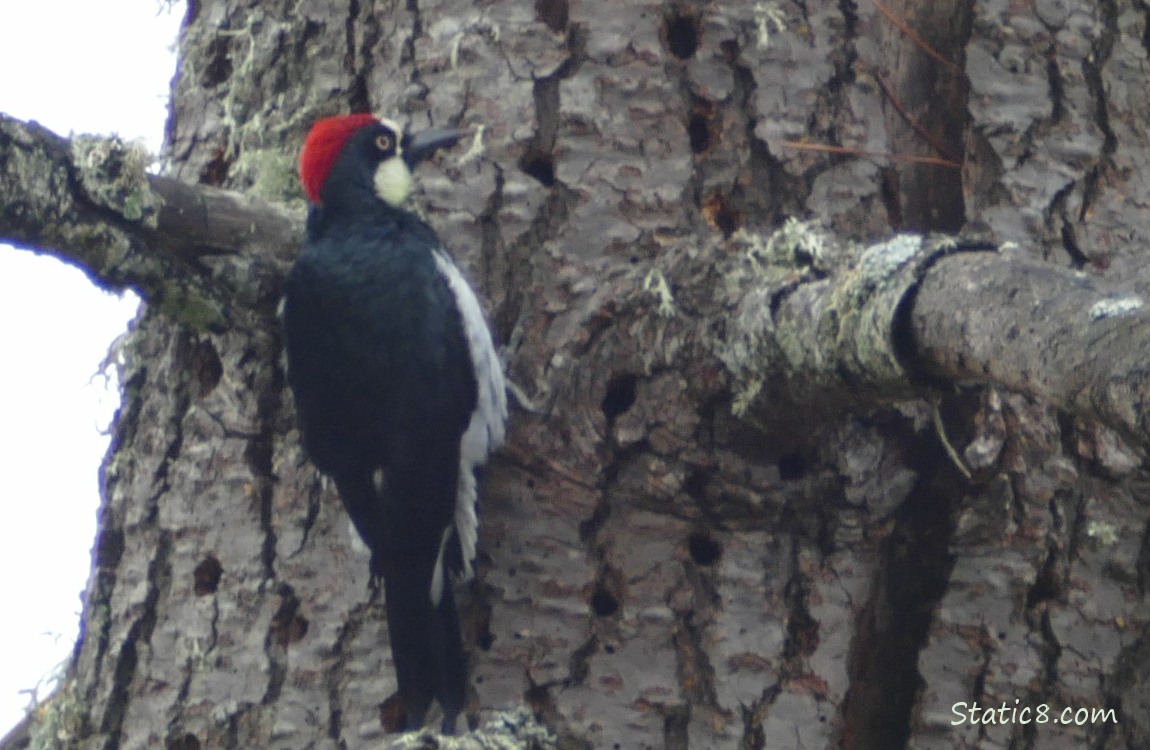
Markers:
point(419, 146)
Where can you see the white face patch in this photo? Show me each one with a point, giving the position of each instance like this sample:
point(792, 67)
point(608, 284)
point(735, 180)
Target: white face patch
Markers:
point(393, 181)
point(394, 127)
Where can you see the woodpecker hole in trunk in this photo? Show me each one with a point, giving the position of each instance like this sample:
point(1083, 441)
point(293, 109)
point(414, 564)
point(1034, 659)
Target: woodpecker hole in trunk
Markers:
point(554, 13)
point(207, 576)
point(539, 165)
point(792, 466)
point(539, 699)
point(215, 172)
point(603, 602)
point(721, 214)
point(682, 36)
point(183, 742)
point(620, 395)
point(288, 626)
point(695, 485)
point(699, 132)
point(705, 550)
point(219, 67)
point(206, 367)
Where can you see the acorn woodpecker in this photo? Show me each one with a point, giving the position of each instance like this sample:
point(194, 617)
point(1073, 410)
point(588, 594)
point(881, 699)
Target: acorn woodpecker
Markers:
point(399, 390)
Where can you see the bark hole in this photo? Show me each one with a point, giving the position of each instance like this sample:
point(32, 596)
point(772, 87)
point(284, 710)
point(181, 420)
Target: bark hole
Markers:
point(607, 596)
point(215, 172)
point(695, 485)
point(207, 576)
point(705, 550)
point(620, 395)
point(206, 367)
point(183, 742)
point(219, 67)
point(721, 213)
point(792, 466)
point(484, 639)
point(682, 33)
point(603, 602)
point(554, 13)
point(539, 699)
point(288, 626)
point(291, 630)
point(539, 165)
point(699, 132)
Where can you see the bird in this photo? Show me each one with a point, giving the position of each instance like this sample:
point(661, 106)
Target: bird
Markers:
point(398, 387)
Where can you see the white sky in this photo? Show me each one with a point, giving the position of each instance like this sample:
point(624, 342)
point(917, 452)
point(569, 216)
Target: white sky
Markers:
point(75, 66)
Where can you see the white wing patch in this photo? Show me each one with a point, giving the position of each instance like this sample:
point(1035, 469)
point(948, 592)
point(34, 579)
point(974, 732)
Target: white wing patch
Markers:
point(488, 422)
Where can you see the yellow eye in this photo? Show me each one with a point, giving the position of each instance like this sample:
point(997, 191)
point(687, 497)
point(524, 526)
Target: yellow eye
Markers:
point(383, 142)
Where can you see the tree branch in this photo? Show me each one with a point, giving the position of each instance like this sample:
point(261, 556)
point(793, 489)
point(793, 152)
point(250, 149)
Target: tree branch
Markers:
point(207, 257)
point(1056, 334)
point(817, 317)
point(801, 311)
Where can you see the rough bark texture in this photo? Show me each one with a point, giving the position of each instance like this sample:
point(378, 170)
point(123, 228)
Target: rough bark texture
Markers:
point(656, 571)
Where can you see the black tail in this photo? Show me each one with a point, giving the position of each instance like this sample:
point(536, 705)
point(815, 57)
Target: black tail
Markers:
point(425, 643)
point(402, 520)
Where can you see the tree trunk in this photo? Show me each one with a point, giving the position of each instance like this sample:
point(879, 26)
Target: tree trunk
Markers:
point(676, 550)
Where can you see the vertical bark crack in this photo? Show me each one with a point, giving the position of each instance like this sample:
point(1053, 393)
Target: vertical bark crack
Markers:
point(1092, 69)
point(894, 624)
point(359, 98)
point(140, 632)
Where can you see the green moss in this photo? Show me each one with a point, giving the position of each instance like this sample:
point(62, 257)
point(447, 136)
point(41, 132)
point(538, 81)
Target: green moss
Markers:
point(507, 730)
point(191, 308)
point(59, 721)
point(768, 263)
point(113, 173)
point(1105, 533)
point(834, 332)
point(1115, 306)
point(272, 174)
point(656, 283)
point(768, 15)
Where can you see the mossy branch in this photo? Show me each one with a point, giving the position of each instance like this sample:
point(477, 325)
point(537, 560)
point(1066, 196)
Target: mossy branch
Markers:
point(801, 311)
point(814, 319)
point(207, 257)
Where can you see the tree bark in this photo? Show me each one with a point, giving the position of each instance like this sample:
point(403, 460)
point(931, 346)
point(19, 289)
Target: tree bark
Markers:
point(809, 488)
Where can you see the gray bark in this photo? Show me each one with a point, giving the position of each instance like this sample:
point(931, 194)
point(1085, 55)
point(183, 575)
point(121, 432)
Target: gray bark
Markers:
point(734, 520)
